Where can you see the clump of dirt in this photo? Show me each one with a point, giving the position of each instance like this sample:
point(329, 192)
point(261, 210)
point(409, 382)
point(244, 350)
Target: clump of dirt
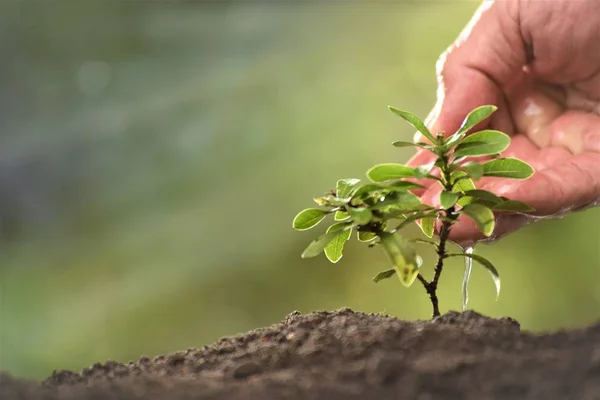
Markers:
point(350, 355)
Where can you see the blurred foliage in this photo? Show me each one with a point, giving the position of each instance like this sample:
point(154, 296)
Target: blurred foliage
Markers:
point(153, 155)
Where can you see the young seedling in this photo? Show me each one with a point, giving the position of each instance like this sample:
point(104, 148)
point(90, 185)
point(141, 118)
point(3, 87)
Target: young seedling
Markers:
point(379, 209)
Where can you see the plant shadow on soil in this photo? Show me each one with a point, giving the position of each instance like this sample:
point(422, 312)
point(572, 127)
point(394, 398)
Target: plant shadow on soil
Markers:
point(350, 355)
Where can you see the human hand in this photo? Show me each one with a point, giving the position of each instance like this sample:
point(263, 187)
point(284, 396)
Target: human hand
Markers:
point(539, 62)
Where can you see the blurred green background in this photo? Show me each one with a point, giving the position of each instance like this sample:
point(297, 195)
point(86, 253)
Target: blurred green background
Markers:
point(153, 155)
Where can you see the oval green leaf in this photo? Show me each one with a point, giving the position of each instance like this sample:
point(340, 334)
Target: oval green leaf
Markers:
point(482, 216)
point(385, 172)
point(415, 122)
point(486, 264)
point(477, 195)
point(427, 225)
point(512, 206)
point(402, 256)
point(448, 199)
point(334, 249)
point(308, 218)
point(462, 182)
point(341, 216)
point(399, 202)
point(473, 169)
point(361, 216)
point(384, 275)
point(364, 236)
point(482, 143)
point(344, 187)
point(476, 116)
point(317, 246)
point(508, 168)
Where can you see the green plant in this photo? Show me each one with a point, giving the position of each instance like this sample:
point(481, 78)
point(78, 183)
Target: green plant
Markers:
point(378, 210)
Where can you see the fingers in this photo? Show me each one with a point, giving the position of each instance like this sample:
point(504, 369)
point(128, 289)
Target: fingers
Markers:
point(571, 184)
point(485, 60)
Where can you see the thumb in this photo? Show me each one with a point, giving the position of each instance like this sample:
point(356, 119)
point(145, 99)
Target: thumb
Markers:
point(480, 67)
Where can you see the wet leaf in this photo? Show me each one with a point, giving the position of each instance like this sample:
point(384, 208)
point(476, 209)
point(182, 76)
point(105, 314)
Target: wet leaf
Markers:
point(507, 168)
point(388, 171)
point(448, 199)
point(415, 122)
point(483, 143)
point(384, 275)
point(344, 187)
point(402, 256)
point(317, 246)
point(482, 216)
point(405, 201)
point(486, 264)
point(308, 218)
point(335, 248)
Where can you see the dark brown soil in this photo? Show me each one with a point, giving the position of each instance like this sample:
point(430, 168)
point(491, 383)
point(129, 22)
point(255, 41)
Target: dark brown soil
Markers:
point(351, 355)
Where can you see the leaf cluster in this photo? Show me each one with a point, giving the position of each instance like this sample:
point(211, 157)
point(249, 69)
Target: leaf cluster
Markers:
point(378, 209)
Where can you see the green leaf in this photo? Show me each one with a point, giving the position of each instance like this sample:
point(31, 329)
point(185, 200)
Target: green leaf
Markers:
point(473, 169)
point(483, 143)
point(462, 182)
point(403, 185)
point(508, 168)
point(412, 218)
point(482, 216)
point(344, 187)
point(384, 275)
point(318, 245)
point(415, 122)
point(385, 172)
point(486, 264)
point(448, 199)
point(428, 226)
point(423, 171)
point(365, 236)
point(330, 200)
point(512, 205)
point(475, 195)
point(399, 202)
point(476, 116)
point(341, 216)
point(402, 256)
point(402, 143)
point(361, 216)
point(308, 218)
point(333, 250)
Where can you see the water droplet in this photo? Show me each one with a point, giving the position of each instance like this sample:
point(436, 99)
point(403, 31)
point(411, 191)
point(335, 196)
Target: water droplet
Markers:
point(466, 277)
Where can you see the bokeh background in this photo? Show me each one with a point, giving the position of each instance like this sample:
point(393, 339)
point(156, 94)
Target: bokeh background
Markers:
point(154, 153)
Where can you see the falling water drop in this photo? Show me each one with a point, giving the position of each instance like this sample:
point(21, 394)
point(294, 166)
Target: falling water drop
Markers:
point(466, 277)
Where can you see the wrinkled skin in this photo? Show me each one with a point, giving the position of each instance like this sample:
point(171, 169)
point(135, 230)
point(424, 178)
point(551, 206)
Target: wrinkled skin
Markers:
point(539, 62)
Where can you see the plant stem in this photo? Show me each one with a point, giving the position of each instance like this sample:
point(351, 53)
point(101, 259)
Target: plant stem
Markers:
point(431, 287)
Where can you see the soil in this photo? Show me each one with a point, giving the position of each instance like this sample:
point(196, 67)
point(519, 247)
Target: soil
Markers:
point(350, 355)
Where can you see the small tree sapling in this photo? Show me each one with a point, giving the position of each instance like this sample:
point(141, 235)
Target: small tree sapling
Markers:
point(378, 210)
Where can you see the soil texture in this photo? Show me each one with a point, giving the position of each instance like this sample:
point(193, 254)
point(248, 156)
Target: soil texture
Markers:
point(350, 355)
